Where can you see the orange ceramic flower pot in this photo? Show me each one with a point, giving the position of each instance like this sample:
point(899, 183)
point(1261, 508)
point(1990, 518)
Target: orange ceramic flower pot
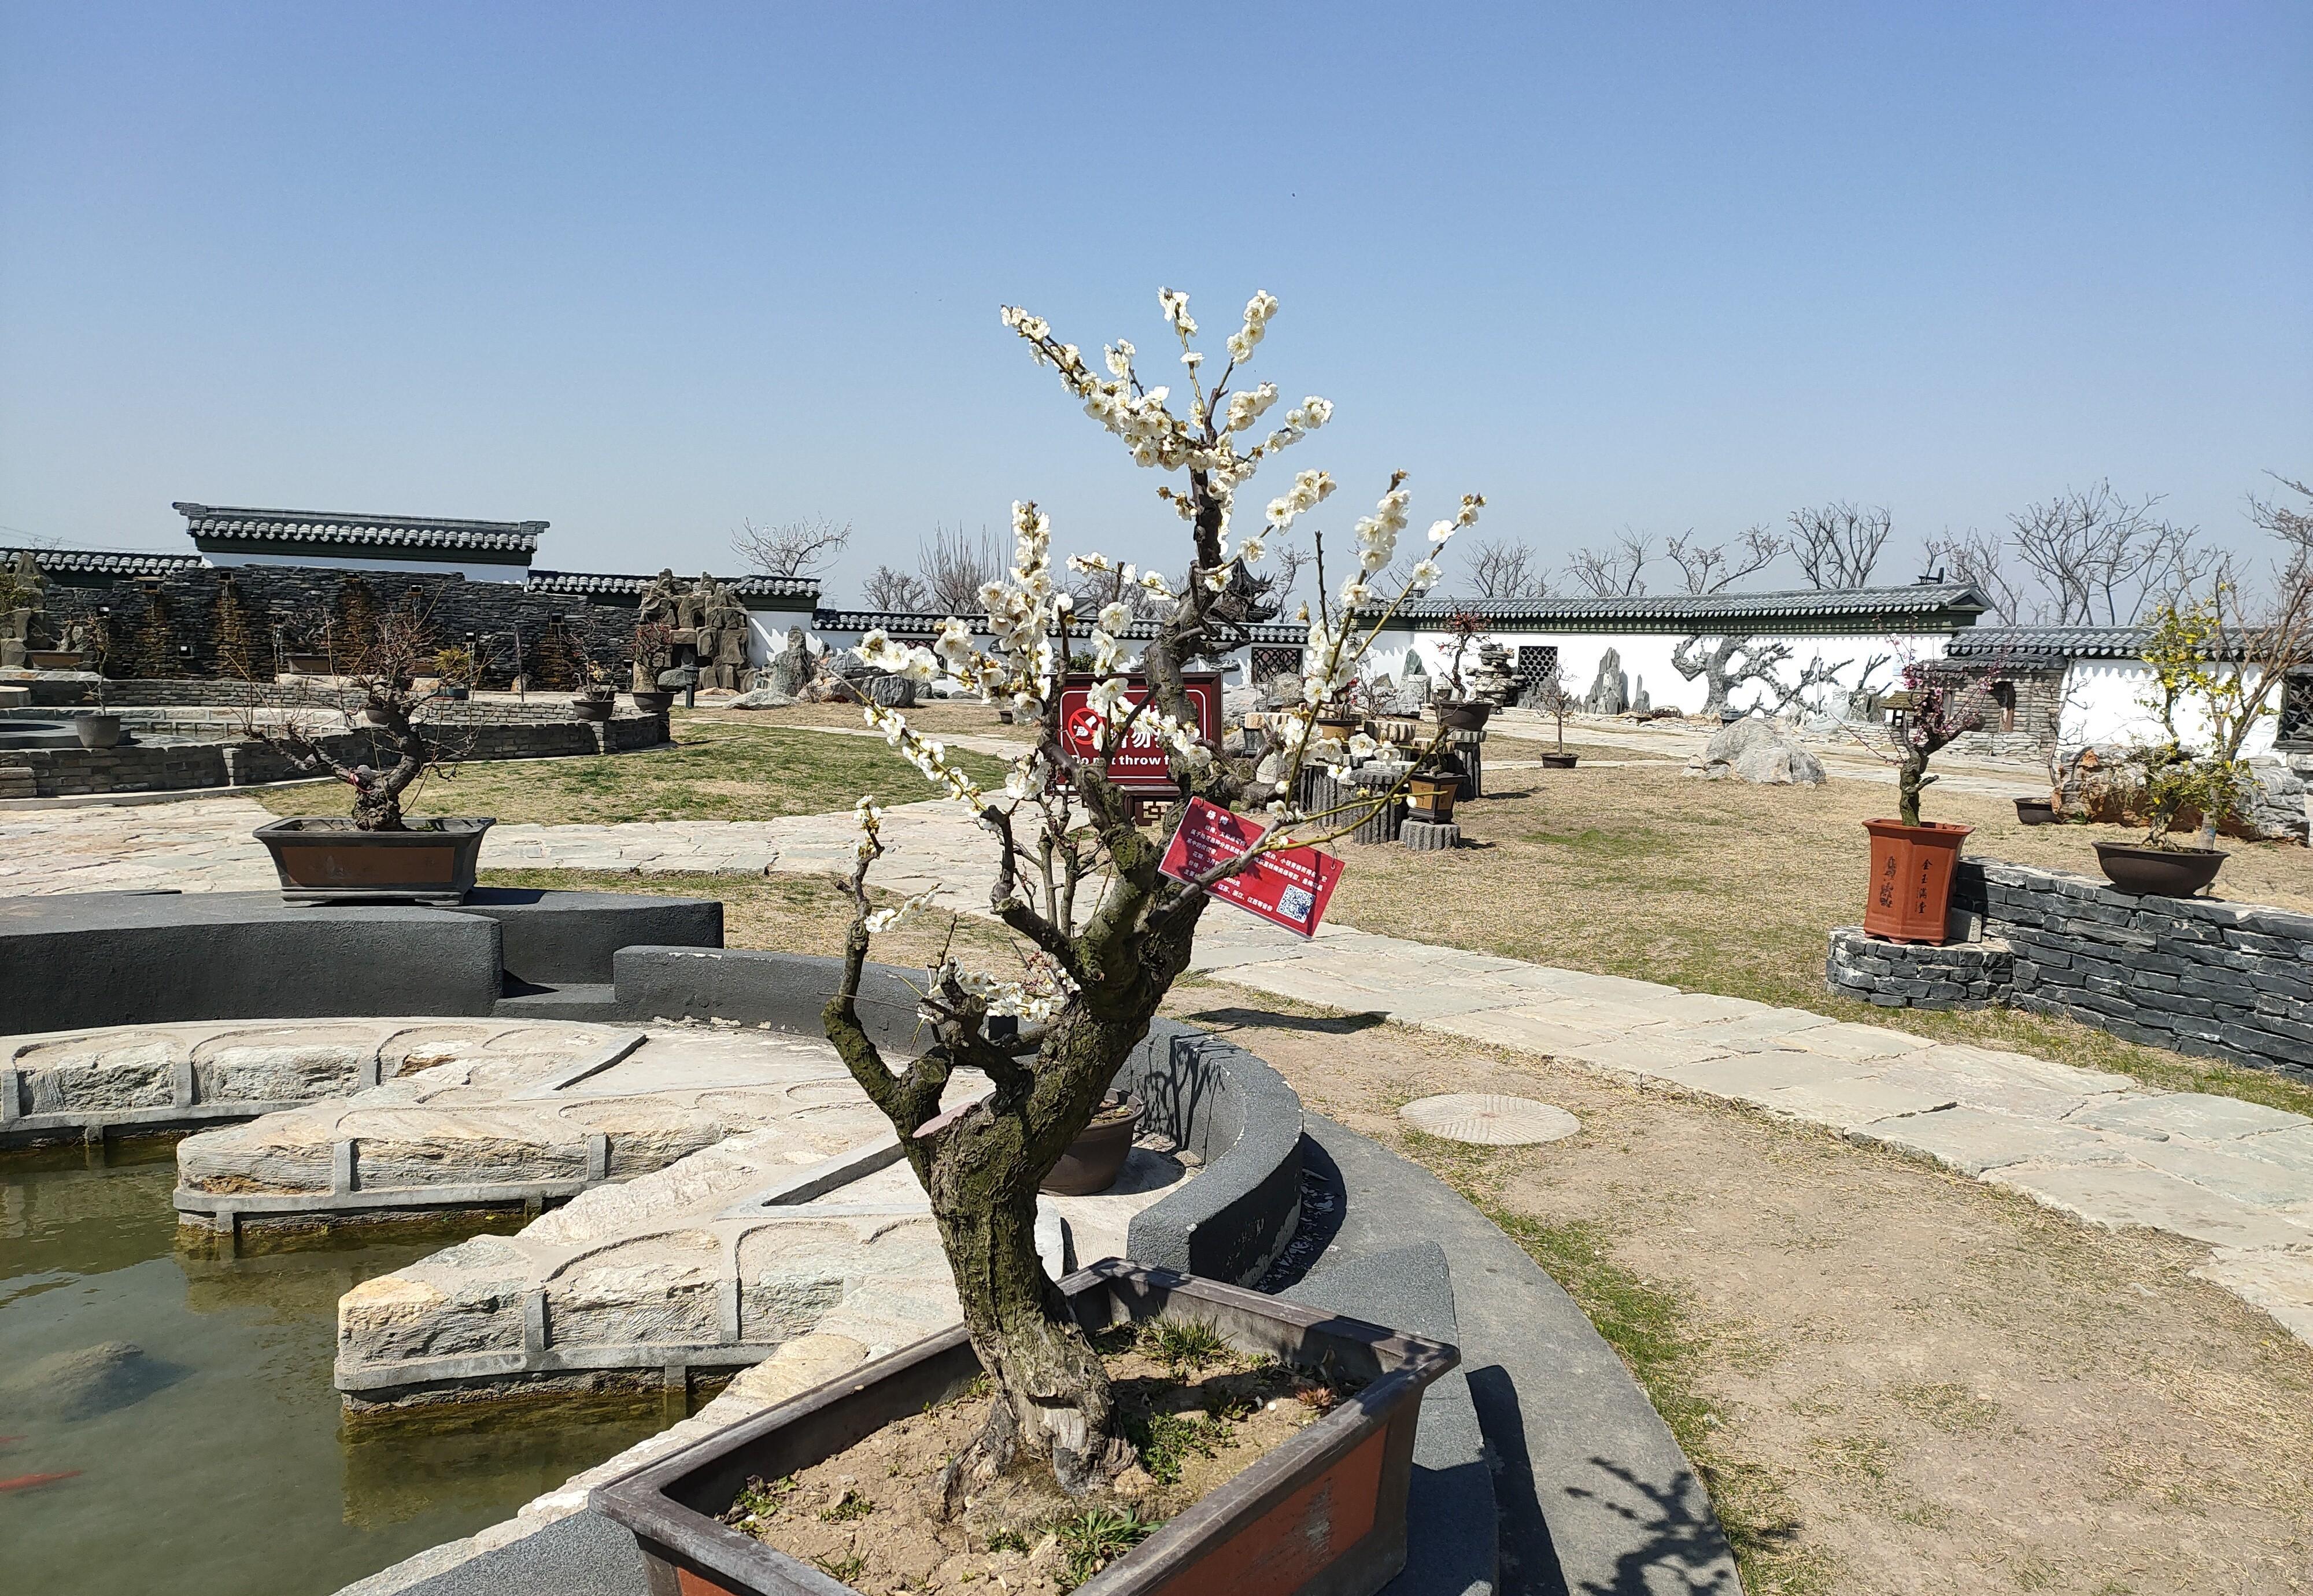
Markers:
point(1911, 870)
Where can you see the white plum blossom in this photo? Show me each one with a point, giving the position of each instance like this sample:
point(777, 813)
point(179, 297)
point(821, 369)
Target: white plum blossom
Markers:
point(884, 920)
point(1257, 312)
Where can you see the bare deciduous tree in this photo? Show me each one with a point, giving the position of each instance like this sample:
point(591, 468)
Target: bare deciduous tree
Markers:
point(1838, 544)
point(1615, 572)
point(1714, 568)
point(888, 588)
point(792, 548)
point(955, 566)
point(1979, 559)
point(2104, 561)
point(1287, 561)
point(1507, 567)
point(2290, 523)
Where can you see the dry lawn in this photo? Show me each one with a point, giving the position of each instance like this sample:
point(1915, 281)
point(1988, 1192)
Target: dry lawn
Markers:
point(1725, 887)
point(1893, 1380)
point(717, 768)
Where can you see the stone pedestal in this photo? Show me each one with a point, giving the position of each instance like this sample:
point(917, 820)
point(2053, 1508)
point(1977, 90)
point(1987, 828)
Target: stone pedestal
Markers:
point(1369, 781)
point(1469, 748)
point(1978, 975)
point(1424, 837)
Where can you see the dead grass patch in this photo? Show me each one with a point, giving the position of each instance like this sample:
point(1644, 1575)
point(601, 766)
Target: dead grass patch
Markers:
point(1723, 887)
point(1891, 1379)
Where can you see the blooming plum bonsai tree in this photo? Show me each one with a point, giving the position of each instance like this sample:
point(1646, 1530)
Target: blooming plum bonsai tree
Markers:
point(1932, 717)
point(1075, 877)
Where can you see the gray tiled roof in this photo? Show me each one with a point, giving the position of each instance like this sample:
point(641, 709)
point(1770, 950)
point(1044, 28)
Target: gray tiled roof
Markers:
point(604, 585)
point(349, 533)
point(1950, 604)
point(104, 562)
point(915, 626)
point(2067, 642)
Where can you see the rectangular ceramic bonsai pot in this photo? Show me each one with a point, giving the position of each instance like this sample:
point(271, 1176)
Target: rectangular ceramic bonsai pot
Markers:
point(1322, 1515)
point(323, 859)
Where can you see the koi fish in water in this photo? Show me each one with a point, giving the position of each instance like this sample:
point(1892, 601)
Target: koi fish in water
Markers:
point(26, 1482)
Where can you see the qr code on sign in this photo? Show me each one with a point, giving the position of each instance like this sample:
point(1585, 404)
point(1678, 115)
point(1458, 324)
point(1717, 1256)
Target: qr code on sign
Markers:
point(1295, 902)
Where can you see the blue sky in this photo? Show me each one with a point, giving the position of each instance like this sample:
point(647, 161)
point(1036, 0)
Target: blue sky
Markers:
point(643, 271)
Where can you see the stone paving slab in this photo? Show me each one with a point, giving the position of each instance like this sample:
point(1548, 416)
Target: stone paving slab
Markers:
point(486, 1129)
point(2236, 1175)
point(2222, 1171)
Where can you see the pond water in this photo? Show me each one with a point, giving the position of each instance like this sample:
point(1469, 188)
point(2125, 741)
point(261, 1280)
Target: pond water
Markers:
point(215, 1464)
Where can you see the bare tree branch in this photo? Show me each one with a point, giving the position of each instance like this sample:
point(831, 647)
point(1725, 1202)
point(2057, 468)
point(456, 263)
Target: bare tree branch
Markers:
point(902, 591)
point(1979, 559)
point(2104, 561)
point(1616, 572)
point(955, 566)
point(792, 548)
point(1838, 544)
point(1506, 568)
point(1714, 567)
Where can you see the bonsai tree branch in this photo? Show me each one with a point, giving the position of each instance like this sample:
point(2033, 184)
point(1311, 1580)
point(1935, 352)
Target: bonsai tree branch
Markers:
point(1090, 990)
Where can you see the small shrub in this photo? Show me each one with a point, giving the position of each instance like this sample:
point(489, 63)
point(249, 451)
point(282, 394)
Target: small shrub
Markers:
point(1093, 1539)
point(1166, 1440)
point(1182, 1345)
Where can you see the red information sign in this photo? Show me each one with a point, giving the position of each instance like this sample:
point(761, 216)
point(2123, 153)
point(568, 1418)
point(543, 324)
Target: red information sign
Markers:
point(1289, 887)
point(1144, 764)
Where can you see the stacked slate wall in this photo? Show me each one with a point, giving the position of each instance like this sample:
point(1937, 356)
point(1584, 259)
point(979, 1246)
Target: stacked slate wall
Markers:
point(205, 622)
point(173, 767)
point(2200, 975)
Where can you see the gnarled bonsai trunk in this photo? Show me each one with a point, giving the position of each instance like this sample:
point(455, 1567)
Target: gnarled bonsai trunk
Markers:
point(1910, 775)
point(981, 1167)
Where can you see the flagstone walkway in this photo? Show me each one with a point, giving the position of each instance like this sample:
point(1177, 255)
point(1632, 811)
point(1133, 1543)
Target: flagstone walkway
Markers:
point(2235, 1176)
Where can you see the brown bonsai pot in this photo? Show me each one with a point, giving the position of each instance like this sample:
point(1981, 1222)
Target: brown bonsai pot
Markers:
point(588, 708)
point(1911, 870)
point(1559, 762)
point(55, 659)
point(1097, 1157)
point(1465, 715)
point(1431, 798)
point(2159, 872)
point(2035, 811)
point(653, 703)
point(1323, 1515)
point(97, 731)
point(325, 859)
point(309, 664)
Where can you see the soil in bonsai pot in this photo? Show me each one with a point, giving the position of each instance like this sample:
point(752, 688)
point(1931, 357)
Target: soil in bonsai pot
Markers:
point(869, 1517)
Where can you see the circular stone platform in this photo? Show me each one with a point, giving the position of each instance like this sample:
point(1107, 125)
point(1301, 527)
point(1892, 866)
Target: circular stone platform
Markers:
point(1488, 1120)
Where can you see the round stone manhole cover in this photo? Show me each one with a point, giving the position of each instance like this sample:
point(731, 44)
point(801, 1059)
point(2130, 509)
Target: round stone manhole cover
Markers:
point(1489, 1120)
